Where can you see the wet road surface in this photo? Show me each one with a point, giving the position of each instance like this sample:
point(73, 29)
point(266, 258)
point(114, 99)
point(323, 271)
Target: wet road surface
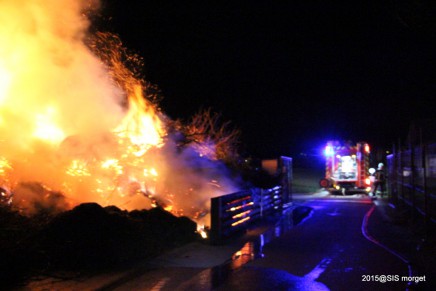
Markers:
point(327, 251)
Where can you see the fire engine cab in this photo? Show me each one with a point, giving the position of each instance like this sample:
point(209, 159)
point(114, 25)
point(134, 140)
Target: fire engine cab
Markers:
point(347, 167)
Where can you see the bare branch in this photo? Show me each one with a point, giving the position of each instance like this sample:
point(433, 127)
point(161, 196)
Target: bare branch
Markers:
point(206, 128)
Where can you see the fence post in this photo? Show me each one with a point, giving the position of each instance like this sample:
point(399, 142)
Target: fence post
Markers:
point(286, 177)
point(261, 203)
point(401, 170)
point(412, 179)
point(394, 184)
point(426, 192)
point(215, 217)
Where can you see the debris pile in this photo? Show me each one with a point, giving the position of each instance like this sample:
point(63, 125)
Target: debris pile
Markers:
point(88, 237)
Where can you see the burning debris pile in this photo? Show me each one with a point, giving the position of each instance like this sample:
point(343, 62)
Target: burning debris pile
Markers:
point(78, 126)
point(86, 153)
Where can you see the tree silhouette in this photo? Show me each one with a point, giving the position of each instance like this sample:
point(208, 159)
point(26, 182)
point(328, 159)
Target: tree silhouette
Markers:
point(212, 137)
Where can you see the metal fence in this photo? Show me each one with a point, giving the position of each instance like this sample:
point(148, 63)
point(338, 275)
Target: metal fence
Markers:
point(234, 212)
point(412, 179)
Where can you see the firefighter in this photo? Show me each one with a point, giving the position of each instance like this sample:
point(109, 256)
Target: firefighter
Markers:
point(380, 179)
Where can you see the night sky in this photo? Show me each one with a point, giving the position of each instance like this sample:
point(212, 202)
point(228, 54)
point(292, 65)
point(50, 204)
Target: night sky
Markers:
point(288, 74)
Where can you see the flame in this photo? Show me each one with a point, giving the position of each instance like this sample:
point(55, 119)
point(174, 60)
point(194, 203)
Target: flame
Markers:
point(201, 229)
point(64, 110)
point(75, 120)
point(5, 80)
point(46, 128)
point(141, 126)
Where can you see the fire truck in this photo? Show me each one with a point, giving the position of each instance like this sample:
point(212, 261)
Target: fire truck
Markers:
point(347, 167)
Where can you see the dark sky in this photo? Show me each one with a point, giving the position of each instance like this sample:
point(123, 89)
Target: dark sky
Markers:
point(289, 74)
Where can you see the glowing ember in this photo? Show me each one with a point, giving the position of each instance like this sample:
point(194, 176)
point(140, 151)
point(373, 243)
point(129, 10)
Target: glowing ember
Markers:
point(201, 229)
point(78, 168)
point(75, 120)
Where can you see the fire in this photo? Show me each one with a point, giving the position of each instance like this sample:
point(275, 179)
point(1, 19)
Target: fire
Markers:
point(61, 107)
point(203, 231)
point(4, 165)
point(5, 80)
point(141, 126)
point(46, 128)
point(75, 120)
point(78, 168)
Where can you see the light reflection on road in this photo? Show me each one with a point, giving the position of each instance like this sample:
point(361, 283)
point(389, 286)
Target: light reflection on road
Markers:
point(230, 275)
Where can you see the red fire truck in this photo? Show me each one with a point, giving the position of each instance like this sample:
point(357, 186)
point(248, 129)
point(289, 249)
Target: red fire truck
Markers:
point(347, 167)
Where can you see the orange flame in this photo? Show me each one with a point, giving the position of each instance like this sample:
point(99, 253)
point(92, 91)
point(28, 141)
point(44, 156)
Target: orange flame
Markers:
point(61, 108)
point(75, 120)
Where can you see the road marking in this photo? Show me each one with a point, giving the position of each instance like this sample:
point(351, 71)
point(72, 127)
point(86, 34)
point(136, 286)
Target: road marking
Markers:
point(318, 270)
point(334, 213)
point(160, 284)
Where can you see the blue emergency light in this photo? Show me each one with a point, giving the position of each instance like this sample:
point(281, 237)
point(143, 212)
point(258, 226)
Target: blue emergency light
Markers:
point(329, 151)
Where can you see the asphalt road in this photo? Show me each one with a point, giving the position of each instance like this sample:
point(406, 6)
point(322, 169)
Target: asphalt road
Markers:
point(327, 251)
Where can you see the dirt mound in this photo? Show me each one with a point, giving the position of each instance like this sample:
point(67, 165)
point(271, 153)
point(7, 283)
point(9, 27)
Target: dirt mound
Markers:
point(86, 237)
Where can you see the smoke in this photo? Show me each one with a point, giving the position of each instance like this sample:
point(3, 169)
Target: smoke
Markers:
point(74, 121)
point(49, 75)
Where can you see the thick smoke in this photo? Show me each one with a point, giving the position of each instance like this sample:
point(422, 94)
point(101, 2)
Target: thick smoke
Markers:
point(64, 111)
point(49, 74)
point(51, 87)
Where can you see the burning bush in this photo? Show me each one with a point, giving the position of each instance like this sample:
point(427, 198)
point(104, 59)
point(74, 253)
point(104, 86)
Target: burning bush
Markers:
point(211, 137)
